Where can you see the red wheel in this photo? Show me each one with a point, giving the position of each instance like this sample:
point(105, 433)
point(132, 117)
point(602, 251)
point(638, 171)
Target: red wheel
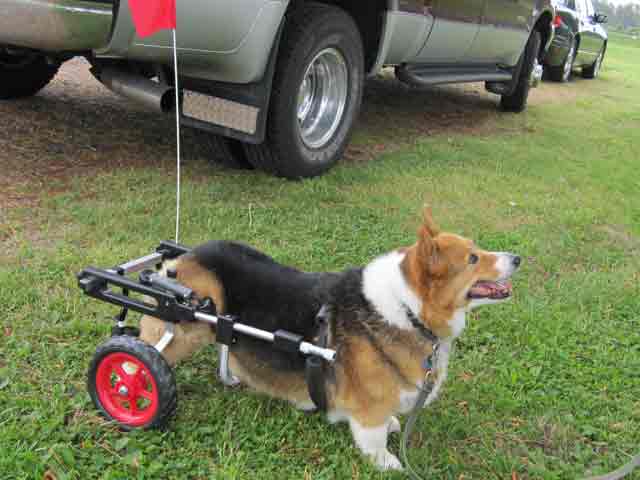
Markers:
point(126, 390)
point(132, 384)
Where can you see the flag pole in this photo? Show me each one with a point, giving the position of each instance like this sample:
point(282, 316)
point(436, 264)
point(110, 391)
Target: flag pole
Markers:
point(177, 107)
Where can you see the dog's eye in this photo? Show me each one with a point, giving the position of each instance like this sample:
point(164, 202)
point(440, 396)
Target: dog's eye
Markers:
point(473, 259)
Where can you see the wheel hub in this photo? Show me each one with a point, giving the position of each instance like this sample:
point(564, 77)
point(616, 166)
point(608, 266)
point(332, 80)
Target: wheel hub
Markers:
point(126, 389)
point(322, 98)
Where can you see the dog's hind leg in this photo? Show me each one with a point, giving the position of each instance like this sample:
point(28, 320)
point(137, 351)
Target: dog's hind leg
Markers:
point(372, 441)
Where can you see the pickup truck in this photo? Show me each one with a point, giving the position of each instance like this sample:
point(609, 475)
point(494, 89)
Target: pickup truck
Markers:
point(280, 80)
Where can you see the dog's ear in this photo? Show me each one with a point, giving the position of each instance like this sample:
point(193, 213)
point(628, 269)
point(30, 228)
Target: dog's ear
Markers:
point(428, 223)
point(427, 245)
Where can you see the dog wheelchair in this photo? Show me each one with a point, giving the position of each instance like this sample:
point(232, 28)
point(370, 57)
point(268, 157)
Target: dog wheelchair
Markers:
point(129, 380)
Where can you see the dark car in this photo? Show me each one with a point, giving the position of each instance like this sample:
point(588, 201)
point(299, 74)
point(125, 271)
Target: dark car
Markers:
point(580, 40)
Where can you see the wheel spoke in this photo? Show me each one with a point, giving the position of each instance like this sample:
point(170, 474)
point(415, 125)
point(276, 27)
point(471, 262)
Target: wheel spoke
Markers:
point(146, 395)
point(133, 405)
point(124, 376)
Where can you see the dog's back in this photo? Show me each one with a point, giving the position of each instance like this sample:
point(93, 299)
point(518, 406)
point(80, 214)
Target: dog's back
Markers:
point(266, 294)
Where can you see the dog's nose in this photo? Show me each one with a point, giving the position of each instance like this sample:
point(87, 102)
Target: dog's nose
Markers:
point(516, 261)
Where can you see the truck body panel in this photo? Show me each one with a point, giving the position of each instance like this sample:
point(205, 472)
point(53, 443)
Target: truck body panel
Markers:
point(233, 47)
point(55, 25)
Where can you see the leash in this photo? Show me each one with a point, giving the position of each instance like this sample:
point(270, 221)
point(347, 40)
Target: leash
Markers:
point(622, 472)
point(425, 391)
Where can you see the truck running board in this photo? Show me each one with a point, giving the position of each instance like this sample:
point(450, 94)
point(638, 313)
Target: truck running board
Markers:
point(421, 75)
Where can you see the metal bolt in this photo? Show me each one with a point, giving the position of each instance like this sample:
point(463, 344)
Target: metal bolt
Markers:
point(124, 391)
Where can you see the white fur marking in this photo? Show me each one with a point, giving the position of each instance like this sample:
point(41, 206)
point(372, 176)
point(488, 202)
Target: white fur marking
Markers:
point(305, 406)
point(504, 264)
point(373, 443)
point(385, 287)
point(335, 416)
point(458, 323)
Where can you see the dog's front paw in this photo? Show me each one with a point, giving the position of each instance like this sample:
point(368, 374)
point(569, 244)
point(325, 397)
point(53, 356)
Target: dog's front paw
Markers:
point(394, 425)
point(385, 460)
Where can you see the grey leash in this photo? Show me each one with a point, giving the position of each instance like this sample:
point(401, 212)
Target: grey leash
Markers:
point(425, 391)
point(621, 472)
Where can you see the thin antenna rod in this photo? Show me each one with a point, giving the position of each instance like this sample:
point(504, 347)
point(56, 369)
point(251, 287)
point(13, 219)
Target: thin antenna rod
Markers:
point(177, 107)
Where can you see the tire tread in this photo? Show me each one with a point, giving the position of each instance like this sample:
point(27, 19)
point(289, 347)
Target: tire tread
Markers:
point(160, 369)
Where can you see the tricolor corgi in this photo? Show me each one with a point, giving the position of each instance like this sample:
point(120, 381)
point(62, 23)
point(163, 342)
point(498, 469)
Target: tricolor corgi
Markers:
point(383, 321)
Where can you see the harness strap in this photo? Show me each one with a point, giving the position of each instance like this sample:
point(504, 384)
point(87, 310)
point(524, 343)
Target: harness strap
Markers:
point(419, 326)
point(316, 368)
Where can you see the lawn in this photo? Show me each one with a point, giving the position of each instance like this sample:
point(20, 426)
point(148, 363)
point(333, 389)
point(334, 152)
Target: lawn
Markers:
point(545, 386)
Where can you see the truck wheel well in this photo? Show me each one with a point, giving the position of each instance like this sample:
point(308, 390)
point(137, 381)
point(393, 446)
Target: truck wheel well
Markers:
point(543, 25)
point(369, 20)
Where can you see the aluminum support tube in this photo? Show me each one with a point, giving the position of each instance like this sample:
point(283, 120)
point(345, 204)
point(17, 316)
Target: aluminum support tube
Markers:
point(305, 347)
point(141, 263)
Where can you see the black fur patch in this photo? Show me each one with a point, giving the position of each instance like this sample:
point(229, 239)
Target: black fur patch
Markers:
point(267, 295)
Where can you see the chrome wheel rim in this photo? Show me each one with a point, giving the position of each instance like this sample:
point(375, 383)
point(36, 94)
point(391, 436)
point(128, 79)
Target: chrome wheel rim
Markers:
point(322, 98)
point(568, 63)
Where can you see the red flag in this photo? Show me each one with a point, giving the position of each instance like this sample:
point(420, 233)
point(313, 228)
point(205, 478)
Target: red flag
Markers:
point(149, 16)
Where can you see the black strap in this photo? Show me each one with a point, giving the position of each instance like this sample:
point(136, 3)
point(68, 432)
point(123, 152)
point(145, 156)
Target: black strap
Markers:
point(418, 325)
point(316, 368)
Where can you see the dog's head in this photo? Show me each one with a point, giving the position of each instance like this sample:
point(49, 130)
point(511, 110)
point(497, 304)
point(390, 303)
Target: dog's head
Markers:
point(450, 273)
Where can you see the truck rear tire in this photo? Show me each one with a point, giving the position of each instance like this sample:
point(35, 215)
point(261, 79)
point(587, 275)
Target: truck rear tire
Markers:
point(562, 73)
point(517, 101)
point(23, 75)
point(317, 93)
point(228, 152)
point(592, 71)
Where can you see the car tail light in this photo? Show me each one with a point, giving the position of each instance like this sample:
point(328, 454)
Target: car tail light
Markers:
point(557, 21)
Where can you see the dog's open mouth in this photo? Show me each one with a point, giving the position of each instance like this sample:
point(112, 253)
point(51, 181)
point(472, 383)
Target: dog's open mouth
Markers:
point(490, 290)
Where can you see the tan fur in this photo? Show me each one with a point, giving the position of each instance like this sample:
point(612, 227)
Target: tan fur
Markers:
point(368, 385)
point(189, 337)
point(287, 386)
point(438, 271)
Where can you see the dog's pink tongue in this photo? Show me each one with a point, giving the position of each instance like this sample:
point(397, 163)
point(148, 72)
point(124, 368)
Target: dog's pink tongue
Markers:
point(490, 289)
point(482, 289)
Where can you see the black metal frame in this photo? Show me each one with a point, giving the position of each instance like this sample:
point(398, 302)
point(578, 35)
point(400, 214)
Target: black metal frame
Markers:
point(176, 303)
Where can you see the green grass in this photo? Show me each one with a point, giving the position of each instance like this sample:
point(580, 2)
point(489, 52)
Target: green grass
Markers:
point(545, 386)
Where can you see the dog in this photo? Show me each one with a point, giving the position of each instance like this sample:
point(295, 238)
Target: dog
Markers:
point(383, 321)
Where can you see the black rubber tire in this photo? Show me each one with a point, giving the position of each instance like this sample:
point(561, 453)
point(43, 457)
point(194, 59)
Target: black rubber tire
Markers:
point(517, 101)
point(556, 73)
point(157, 367)
point(228, 152)
point(592, 71)
point(311, 27)
point(24, 76)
